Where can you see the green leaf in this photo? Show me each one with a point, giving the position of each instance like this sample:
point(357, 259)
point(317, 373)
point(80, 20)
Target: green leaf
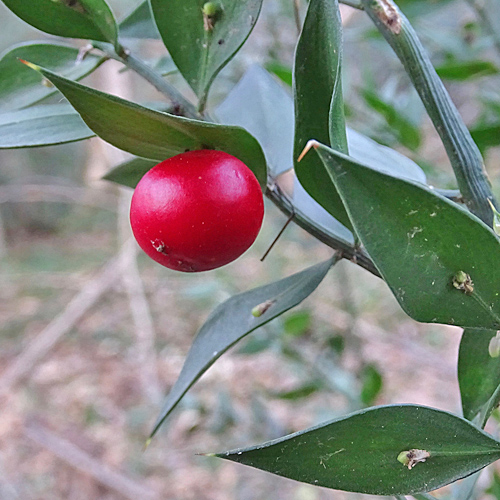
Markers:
point(139, 23)
point(360, 452)
point(42, 126)
point(21, 87)
point(236, 318)
point(419, 242)
point(318, 101)
point(284, 73)
point(152, 134)
point(466, 70)
point(486, 136)
point(303, 391)
point(478, 374)
point(407, 133)
point(297, 323)
point(261, 105)
point(199, 51)
point(372, 384)
point(90, 19)
point(130, 172)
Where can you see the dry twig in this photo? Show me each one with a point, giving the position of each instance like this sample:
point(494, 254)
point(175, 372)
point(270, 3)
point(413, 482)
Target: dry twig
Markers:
point(62, 324)
point(80, 460)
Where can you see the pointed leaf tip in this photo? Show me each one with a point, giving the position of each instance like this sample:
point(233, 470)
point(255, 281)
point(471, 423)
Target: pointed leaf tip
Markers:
point(313, 143)
point(30, 65)
point(385, 450)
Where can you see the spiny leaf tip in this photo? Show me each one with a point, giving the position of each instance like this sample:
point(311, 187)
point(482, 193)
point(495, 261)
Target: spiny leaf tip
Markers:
point(313, 143)
point(30, 65)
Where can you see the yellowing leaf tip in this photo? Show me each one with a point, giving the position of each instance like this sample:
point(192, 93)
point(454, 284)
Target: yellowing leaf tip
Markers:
point(30, 65)
point(313, 143)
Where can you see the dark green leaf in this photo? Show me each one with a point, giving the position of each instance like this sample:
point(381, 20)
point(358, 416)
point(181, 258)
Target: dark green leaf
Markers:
point(478, 374)
point(372, 384)
point(262, 106)
point(303, 391)
point(42, 126)
point(466, 70)
point(234, 319)
point(153, 134)
point(318, 100)
point(21, 87)
point(139, 23)
point(486, 136)
point(130, 172)
point(199, 51)
point(407, 133)
point(360, 452)
point(419, 241)
point(90, 19)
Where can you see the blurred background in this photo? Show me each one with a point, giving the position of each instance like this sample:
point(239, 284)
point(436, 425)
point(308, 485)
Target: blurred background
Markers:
point(93, 334)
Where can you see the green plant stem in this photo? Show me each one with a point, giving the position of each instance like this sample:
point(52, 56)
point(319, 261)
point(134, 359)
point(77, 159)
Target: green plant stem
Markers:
point(347, 250)
point(486, 21)
point(181, 104)
point(464, 155)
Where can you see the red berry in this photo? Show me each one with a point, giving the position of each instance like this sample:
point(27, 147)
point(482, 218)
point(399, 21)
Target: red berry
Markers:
point(197, 211)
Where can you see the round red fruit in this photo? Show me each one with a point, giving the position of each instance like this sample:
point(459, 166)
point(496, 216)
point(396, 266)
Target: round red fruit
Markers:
point(197, 211)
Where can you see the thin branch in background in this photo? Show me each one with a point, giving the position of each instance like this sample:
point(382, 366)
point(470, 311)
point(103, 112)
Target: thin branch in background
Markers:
point(486, 20)
point(52, 193)
point(62, 324)
point(141, 314)
point(145, 353)
point(85, 463)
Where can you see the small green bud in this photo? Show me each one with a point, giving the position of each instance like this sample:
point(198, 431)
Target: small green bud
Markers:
point(403, 458)
point(210, 9)
point(211, 13)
